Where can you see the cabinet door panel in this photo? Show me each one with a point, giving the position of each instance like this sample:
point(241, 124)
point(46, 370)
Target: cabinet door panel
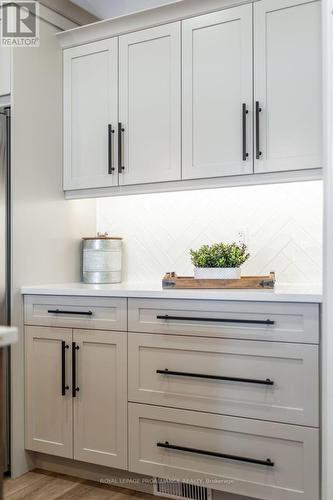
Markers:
point(149, 104)
point(48, 412)
point(90, 105)
point(100, 405)
point(288, 84)
point(217, 80)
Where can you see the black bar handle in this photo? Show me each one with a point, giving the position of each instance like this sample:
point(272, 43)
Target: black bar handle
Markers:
point(244, 113)
point(121, 130)
point(59, 311)
point(218, 320)
point(268, 462)
point(74, 388)
point(267, 381)
point(110, 150)
point(258, 111)
point(64, 387)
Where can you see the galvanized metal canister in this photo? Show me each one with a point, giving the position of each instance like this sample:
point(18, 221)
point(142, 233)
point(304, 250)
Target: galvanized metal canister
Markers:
point(102, 259)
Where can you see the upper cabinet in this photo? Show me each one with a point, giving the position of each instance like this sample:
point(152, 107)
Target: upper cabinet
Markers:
point(287, 76)
point(217, 94)
point(149, 105)
point(90, 115)
point(224, 94)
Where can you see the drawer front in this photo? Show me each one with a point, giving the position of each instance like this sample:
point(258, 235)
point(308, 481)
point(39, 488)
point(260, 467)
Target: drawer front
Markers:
point(244, 320)
point(77, 312)
point(264, 380)
point(264, 460)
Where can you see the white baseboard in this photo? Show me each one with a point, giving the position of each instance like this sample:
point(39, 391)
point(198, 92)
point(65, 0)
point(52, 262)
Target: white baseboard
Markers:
point(98, 473)
point(115, 477)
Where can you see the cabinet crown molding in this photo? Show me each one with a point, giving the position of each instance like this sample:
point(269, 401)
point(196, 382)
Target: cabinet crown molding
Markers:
point(147, 18)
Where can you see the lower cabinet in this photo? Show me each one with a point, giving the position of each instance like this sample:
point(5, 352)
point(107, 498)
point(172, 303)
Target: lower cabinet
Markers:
point(76, 394)
point(199, 391)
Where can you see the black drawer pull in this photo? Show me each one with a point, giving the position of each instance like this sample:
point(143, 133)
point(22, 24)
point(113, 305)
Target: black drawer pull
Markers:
point(268, 462)
point(245, 154)
point(75, 389)
point(121, 131)
point(258, 111)
point(219, 320)
point(59, 311)
point(64, 387)
point(110, 149)
point(267, 381)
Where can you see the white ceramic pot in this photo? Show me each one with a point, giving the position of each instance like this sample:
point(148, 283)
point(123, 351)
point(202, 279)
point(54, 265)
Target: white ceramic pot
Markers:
point(217, 273)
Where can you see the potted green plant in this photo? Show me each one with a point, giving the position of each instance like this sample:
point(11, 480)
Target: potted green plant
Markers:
point(219, 261)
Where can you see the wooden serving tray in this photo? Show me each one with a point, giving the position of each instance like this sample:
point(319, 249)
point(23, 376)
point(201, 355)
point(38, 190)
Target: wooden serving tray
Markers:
point(172, 281)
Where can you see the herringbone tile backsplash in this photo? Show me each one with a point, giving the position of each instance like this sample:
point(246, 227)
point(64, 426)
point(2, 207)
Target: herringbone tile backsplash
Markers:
point(281, 224)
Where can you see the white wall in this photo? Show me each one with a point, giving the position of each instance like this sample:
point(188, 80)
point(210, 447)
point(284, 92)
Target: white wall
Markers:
point(46, 228)
point(105, 9)
point(282, 224)
point(70, 11)
point(327, 319)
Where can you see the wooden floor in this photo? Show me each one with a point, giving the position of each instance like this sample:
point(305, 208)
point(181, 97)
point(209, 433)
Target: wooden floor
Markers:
point(42, 485)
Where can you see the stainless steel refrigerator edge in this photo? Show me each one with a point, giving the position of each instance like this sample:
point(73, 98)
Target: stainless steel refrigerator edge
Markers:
point(5, 262)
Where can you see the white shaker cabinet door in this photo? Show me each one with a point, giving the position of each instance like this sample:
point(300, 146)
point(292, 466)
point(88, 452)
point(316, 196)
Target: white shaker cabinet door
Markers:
point(48, 399)
point(90, 115)
point(149, 105)
point(100, 402)
point(217, 94)
point(287, 41)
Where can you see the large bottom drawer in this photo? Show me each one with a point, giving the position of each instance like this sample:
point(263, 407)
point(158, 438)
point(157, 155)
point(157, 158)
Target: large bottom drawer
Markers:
point(263, 460)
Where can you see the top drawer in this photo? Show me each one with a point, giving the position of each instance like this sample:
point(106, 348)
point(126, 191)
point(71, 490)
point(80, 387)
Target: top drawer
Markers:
point(281, 322)
point(100, 313)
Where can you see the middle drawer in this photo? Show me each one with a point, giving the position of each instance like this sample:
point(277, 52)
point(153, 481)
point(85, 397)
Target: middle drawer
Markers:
point(265, 380)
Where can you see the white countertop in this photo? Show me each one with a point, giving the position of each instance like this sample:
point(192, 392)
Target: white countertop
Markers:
point(281, 293)
point(8, 335)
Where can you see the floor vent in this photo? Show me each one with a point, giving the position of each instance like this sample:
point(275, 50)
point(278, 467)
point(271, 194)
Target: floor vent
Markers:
point(176, 489)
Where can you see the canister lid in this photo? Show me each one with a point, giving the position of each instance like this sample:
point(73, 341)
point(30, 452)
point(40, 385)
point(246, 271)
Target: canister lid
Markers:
point(100, 236)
